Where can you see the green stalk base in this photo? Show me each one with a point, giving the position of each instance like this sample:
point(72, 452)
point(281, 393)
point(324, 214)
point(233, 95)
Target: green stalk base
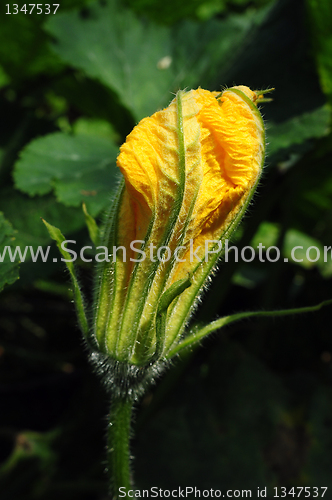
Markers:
point(118, 452)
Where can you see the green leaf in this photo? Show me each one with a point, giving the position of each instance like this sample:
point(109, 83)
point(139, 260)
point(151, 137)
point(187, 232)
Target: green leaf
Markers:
point(101, 128)
point(31, 444)
point(307, 252)
point(23, 48)
point(24, 52)
point(143, 62)
point(112, 45)
point(25, 214)
point(297, 130)
point(204, 53)
point(58, 237)
point(8, 270)
point(301, 255)
point(79, 168)
point(93, 229)
point(320, 19)
point(267, 235)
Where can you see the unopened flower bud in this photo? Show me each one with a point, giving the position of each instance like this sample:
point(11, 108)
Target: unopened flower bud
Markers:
point(189, 172)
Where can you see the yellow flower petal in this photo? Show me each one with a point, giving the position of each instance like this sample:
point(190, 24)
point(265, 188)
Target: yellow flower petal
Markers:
point(224, 150)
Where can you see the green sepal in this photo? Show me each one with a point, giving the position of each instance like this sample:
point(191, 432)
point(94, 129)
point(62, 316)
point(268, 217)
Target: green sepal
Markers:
point(58, 237)
point(164, 302)
point(260, 93)
point(126, 337)
point(198, 332)
point(93, 229)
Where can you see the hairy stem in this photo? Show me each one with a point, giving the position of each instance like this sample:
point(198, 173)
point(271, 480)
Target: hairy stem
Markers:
point(118, 447)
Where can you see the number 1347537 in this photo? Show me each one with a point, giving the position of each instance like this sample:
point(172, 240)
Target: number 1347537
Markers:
point(299, 492)
point(29, 8)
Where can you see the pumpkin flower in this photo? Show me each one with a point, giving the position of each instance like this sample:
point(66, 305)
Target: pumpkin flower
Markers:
point(189, 172)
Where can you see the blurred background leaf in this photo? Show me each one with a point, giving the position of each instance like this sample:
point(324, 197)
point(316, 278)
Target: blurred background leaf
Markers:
point(148, 61)
point(8, 269)
point(78, 167)
point(319, 18)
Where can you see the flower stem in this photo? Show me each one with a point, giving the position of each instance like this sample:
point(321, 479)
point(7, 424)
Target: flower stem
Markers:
point(118, 446)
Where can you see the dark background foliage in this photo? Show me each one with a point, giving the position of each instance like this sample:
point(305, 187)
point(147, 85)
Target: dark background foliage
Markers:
point(253, 405)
